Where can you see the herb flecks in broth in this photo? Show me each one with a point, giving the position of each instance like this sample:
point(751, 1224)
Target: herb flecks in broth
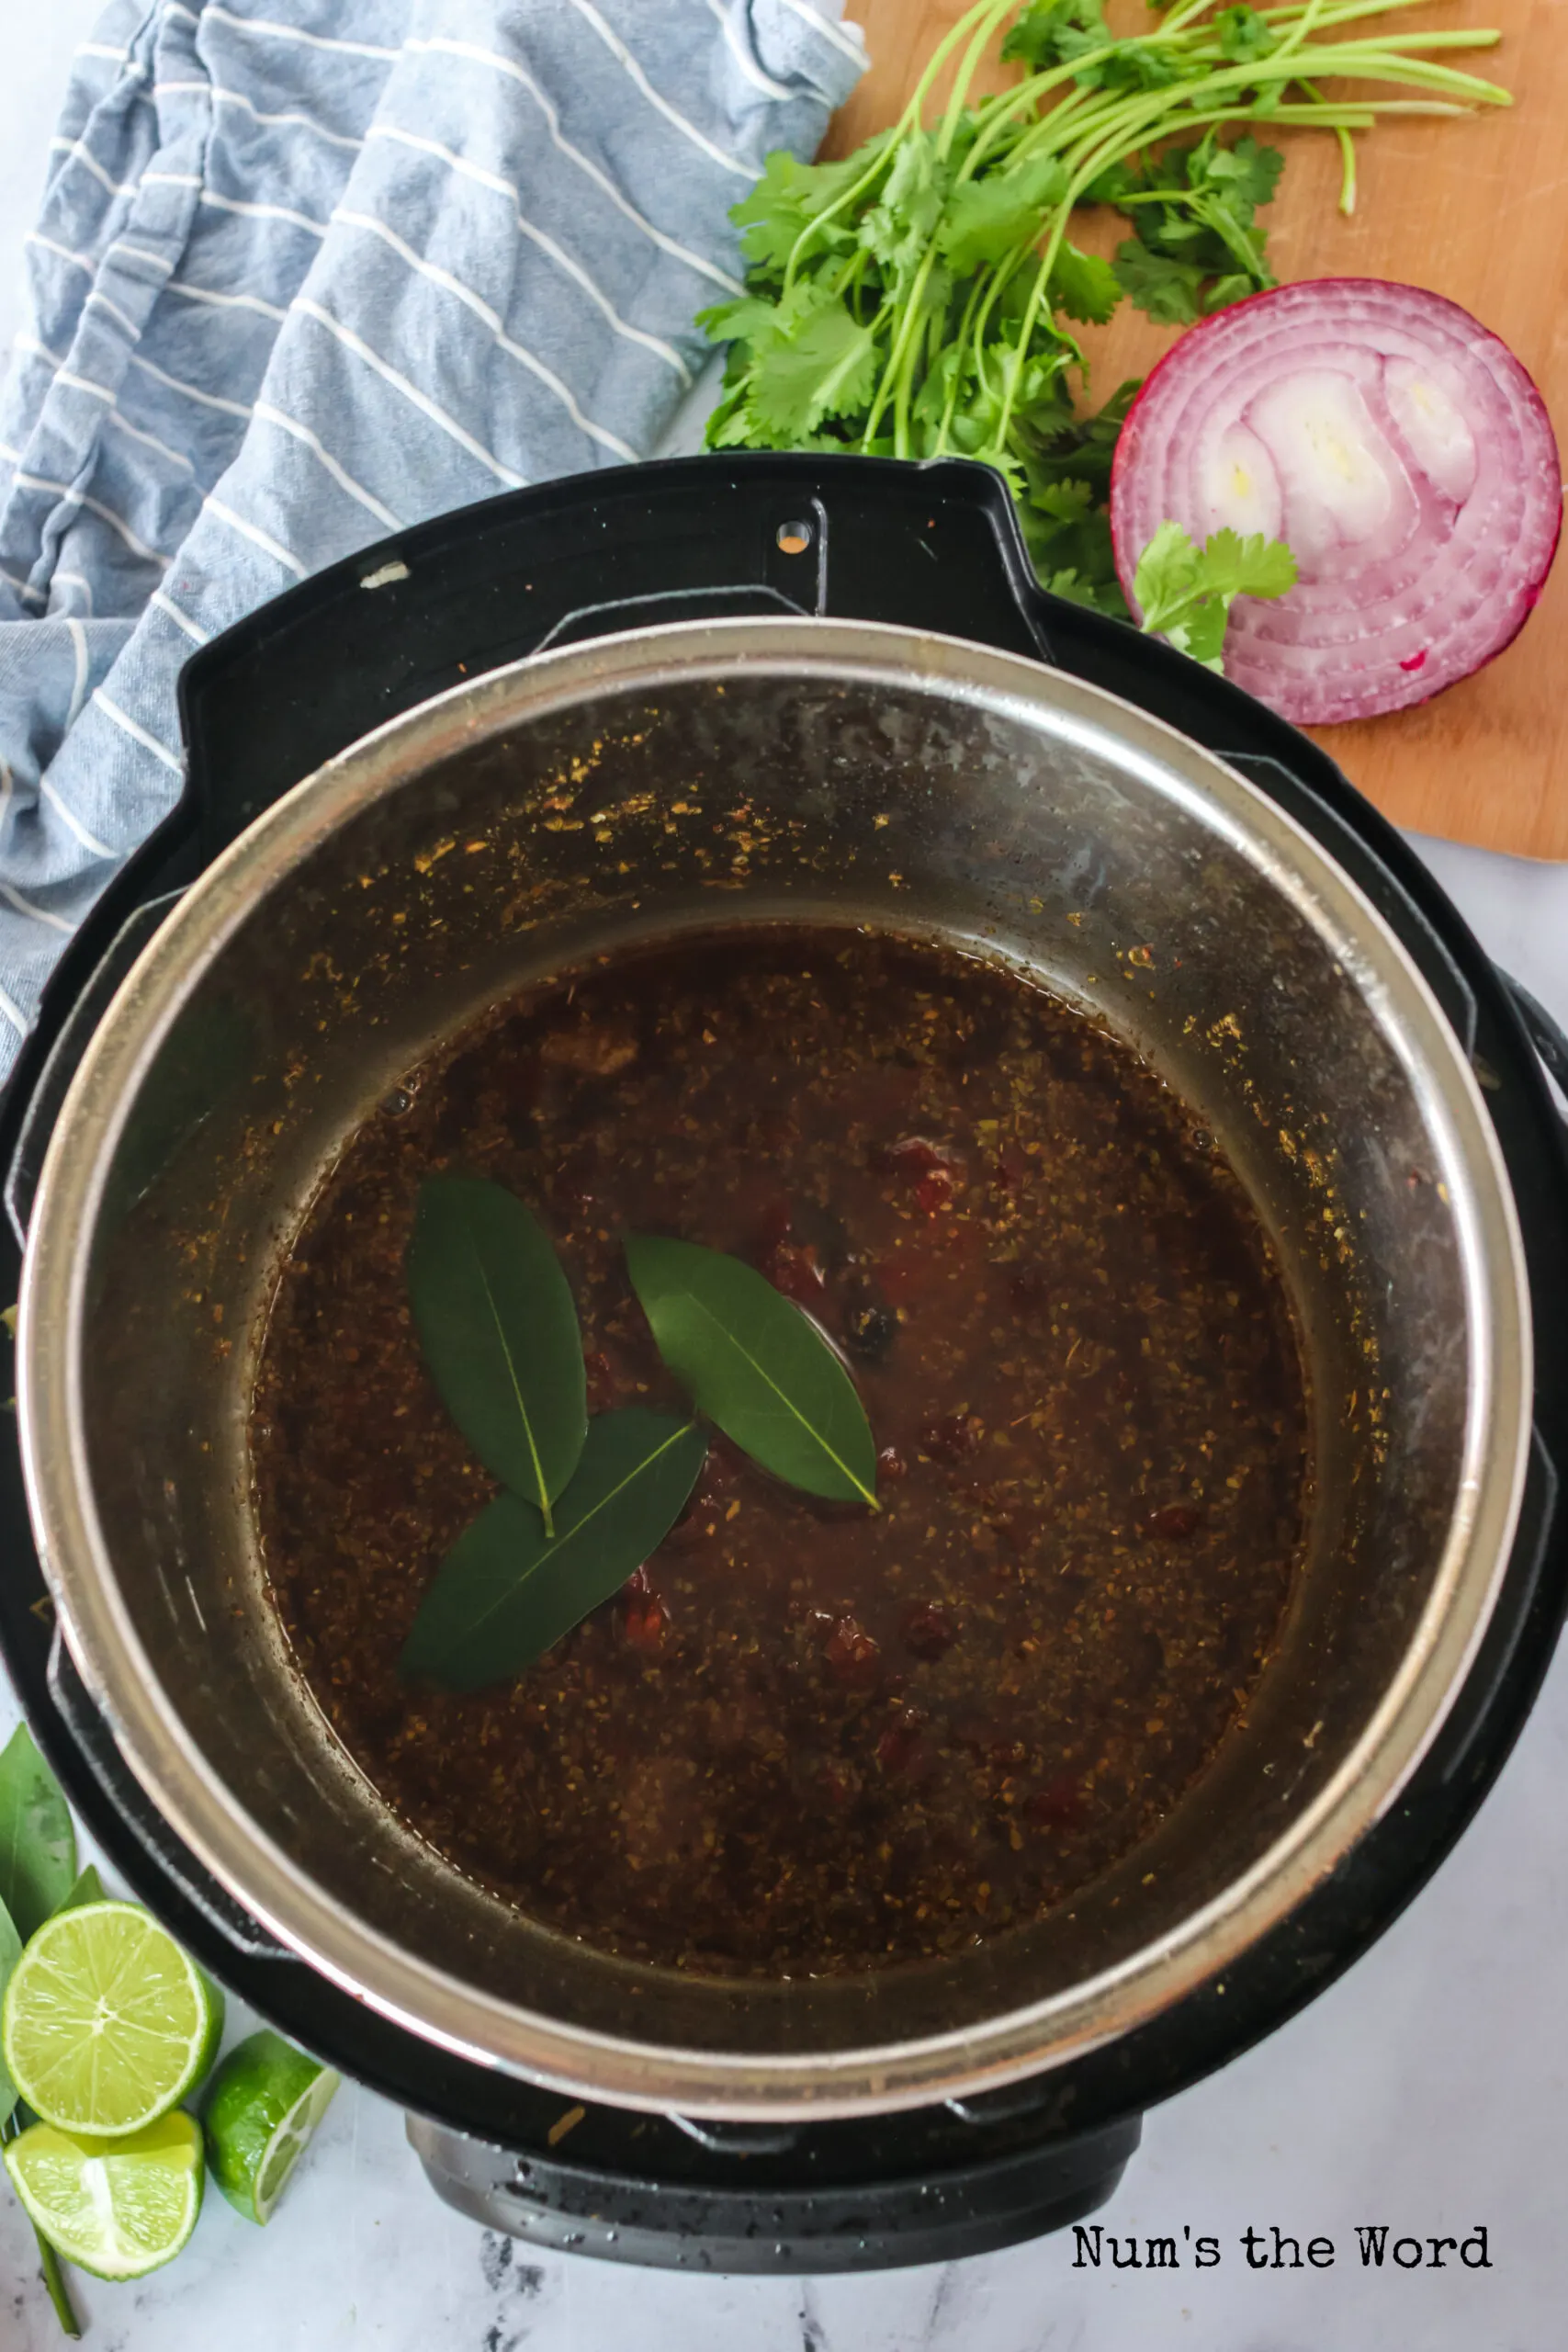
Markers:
point(807, 1736)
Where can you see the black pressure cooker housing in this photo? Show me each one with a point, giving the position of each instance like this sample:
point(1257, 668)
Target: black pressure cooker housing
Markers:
point(931, 548)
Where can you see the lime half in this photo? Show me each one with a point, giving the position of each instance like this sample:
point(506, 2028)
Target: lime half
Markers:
point(107, 2023)
point(267, 2100)
point(118, 2209)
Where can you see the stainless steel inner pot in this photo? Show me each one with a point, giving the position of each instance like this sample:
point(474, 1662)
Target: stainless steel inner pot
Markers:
point(744, 770)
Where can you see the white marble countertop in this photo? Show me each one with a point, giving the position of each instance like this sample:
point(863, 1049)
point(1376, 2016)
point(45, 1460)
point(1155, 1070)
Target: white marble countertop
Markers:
point(1428, 2091)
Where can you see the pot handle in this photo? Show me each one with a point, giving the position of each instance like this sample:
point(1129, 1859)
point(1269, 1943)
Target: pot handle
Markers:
point(44, 1100)
point(1545, 1034)
point(94, 1742)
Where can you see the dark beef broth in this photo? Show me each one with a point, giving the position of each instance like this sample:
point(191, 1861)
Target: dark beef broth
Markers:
point(807, 1739)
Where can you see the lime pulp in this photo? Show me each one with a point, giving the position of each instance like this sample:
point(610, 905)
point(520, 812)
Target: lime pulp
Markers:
point(119, 2208)
point(107, 2024)
point(266, 2102)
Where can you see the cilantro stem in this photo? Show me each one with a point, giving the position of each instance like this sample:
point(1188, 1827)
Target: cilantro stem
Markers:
point(1347, 171)
point(50, 2270)
point(990, 17)
point(1340, 12)
point(1305, 24)
point(914, 112)
point(955, 373)
point(1347, 153)
point(908, 326)
point(56, 2289)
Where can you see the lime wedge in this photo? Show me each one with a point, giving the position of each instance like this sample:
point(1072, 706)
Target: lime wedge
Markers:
point(107, 2023)
point(266, 2102)
point(118, 2209)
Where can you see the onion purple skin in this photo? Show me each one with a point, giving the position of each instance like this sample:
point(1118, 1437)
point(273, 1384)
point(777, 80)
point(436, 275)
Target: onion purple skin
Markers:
point(1363, 684)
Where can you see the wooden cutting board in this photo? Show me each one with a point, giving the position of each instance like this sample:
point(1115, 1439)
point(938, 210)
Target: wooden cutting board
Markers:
point(1476, 209)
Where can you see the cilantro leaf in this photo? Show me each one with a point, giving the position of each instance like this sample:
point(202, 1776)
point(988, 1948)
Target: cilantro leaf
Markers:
point(749, 318)
point(1176, 233)
point(898, 230)
point(1200, 633)
point(1081, 448)
point(1083, 286)
point(1124, 65)
point(1232, 243)
point(825, 366)
point(1243, 34)
point(1115, 182)
point(1185, 592)
point(773, 216)
point(1099, 595)
point(1065, 502)
point(1045, 409)
point(788, 195)
point(760, 320)
point(1215, 193)
point(1066, 526)
point(732, 426)
point(1232, 566)
point(952, 367)
point(914, 185)
point(987, 218)
point(1246, 173)
point(1036, 38)
point(1166, 290)
point(1005, 462)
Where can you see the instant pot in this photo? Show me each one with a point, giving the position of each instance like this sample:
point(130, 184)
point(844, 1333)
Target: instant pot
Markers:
point(701, 693)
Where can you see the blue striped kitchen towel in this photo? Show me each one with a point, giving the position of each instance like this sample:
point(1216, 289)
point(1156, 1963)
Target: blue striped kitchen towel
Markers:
point(310, 270)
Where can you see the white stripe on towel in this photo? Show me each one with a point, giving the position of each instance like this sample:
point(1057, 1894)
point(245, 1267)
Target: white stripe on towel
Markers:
point(69, 820)
point(74, 497)
point(293, 120)
point(191, 392)
point(639, 80)
point(742, 55)
point(137, 734)
point(75, 151)
point(260, 28)
point(433, 409)
point(831, 30)
point(602, 180)
point(25, 907)
point(344, 481)
point(558, 254)
point(264, 211)
point(62, 253)
point(78, 580)
point(78, 636)
point(225, 302)
point(181, 620)
point(115, 311)
point(257, 538)
point(492, 319)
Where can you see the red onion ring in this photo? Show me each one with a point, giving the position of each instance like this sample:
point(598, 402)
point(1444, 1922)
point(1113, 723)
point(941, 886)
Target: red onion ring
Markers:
point(1394, 443)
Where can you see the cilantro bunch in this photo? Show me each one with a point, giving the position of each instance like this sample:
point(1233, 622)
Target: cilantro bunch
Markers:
point(918, 299)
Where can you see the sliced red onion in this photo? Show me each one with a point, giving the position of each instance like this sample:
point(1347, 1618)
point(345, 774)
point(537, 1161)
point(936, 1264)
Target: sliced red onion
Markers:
point(1394, 443)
